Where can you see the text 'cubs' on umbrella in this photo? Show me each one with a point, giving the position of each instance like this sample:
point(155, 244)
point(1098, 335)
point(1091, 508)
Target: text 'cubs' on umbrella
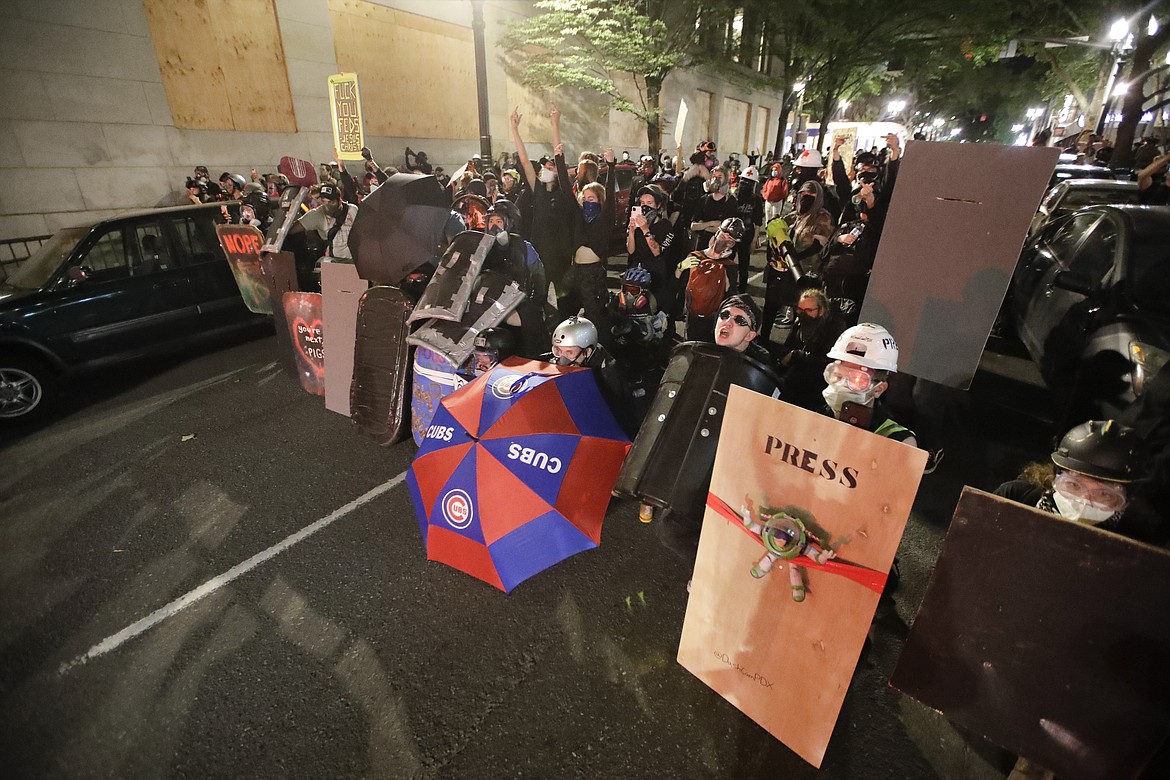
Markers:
point(516, 470)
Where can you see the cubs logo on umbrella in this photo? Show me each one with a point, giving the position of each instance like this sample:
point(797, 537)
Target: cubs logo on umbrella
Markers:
point(516, 470)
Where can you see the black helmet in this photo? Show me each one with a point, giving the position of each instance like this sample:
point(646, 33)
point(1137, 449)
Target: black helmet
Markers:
point(655, 191)
point(508, 211)
point(734, 227)
point(498, 340)
point(1103, 449)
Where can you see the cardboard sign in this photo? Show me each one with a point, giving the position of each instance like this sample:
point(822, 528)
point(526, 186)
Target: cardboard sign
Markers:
point(241, 244)
point(302, 311)
point(954, 231)
point(680, 124)
point(783, 663)
point(345, 106)
point(341, 290)
point(849, 148)
point(1047, 637)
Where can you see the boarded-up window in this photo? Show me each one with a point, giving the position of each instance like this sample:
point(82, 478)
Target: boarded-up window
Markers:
point(701, 124)
point(535, 126)
point(733, 125)
point(417, 74)
point(760, 141)
point(222, 64)
point(626, 131)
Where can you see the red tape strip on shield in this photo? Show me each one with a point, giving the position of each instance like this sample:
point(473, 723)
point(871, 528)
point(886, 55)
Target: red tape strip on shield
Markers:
point(874, 580)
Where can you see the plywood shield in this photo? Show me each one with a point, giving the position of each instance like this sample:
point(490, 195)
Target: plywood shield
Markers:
point(1047, 637)
point(280, 276)
point(783, 663)
point(302, 312)
point(955, 228)
point(341, 290)
point(241, 244)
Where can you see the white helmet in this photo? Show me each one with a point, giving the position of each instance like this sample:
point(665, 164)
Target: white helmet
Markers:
point(867, 345)
point(751, 174)
point(575, 332)
point(809, 158)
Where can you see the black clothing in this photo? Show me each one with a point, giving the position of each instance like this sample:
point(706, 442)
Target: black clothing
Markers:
point(660, 273)
point(551, 230)
point(595, 234)
point(709, 209)
point(808, 345)
point(751, 211)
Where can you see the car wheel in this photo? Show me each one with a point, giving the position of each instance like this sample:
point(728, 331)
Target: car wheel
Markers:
point(27, 386)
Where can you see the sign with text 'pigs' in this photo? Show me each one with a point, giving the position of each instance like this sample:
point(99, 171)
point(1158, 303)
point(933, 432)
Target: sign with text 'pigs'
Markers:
point(302, 312)
point(345, 106)
point(241, 244)
point(803, 518)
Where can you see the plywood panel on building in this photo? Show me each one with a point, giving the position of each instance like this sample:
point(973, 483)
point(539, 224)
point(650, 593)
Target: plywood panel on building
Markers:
point(760, 132)
point(733, 125)
point(698, 119)
point(222, 64)
point(417, 75)
point(533, 106)
point(627, 131)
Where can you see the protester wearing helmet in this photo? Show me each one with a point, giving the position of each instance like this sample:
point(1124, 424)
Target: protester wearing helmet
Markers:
point(704, 280)
point(863, 358)
point(1089, 478)
point(516, 258)
point(491, 345)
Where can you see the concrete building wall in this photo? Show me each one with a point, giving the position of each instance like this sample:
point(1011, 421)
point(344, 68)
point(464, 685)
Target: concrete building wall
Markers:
point(86, 129)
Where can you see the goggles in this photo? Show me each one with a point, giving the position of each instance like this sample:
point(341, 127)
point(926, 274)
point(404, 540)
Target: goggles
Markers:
point(1102, 495)
point(738, 319)
point(857, 379)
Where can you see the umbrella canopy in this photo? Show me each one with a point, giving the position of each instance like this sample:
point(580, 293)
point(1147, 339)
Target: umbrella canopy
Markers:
point(516, 471)
point(399, 227)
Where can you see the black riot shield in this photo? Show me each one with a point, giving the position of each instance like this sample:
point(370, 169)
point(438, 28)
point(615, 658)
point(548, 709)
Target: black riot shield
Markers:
point(279, 273)
point(1047, 637)
point(381, 366)
point(449, 290)
point(493, 297)
point(670, 462)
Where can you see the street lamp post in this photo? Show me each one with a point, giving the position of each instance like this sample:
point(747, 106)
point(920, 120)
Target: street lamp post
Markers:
point(481, 86)
point(798, 88)
point(1119, 35)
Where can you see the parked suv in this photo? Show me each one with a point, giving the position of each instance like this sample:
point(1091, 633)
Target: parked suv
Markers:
point(120, 289)
point(1091, 297)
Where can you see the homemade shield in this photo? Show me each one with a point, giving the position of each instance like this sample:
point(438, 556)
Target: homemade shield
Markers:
point(493, 297)
point(784, 656)
point(381, 366)
point(450, 288)
point(279, 270)
point(515, 472)
point(241, 244)
point(1047, 637)
point(399, 227)
point(341, 291)
point(955, 228)
point(302, 312)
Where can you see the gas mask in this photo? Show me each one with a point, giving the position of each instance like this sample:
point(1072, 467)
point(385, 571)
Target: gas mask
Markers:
point(848, 384)
point(501, 234)
point(716, 185)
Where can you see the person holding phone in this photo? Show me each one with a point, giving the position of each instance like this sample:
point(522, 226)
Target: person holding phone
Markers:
point(863, 358)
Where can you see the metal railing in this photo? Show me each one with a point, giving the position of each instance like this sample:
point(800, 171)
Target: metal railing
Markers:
point(14, 251)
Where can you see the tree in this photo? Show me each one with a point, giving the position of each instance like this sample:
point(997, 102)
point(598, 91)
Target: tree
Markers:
point(582, 43)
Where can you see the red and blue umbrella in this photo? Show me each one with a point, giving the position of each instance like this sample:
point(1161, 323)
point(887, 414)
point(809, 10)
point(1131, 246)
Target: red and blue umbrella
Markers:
point(516, 471)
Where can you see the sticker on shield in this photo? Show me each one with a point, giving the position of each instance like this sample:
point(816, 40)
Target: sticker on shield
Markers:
point(302, 310)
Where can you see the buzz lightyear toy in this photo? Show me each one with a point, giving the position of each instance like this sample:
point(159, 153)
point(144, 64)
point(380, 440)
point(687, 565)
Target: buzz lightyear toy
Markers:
point(785, 538)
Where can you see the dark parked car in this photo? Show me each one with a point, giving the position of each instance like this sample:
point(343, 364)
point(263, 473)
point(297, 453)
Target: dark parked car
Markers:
point(120, 289)
point(1091, 297)
point(1072, 194)
point(1064, 171)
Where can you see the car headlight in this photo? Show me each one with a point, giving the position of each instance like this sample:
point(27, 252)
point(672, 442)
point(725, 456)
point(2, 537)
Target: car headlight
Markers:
point(1147, 362)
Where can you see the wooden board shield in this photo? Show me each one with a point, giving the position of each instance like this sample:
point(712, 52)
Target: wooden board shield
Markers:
point(241, 244)
point(1047, 637)
point(955, 228)
point(784, 664)
point(302, 312)
point(280, 276)
point(341, 290)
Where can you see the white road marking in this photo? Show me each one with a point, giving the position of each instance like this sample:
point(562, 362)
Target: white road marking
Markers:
point(262, 369)
point(215, 583)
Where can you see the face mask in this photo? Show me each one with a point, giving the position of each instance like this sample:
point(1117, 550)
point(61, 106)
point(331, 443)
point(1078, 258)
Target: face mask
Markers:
point(836, 397)
point(1079, 511)
point(806, 203)
point(775, 174)
point(547, 176)
point(591, 210)
point(502, 237)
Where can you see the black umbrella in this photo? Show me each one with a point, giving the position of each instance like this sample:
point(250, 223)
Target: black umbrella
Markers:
point(399, 227)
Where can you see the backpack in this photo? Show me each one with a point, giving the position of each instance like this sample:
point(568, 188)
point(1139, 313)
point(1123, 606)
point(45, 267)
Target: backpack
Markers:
point(775, 190)
point(706, 287)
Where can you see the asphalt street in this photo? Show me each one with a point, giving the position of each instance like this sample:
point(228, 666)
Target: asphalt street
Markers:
point(207, 574)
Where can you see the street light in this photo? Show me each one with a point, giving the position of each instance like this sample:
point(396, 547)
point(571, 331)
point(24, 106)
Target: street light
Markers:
point(1118, 30)
point(896, 106)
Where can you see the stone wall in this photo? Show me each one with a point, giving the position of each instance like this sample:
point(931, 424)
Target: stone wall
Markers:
point(86, 129)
